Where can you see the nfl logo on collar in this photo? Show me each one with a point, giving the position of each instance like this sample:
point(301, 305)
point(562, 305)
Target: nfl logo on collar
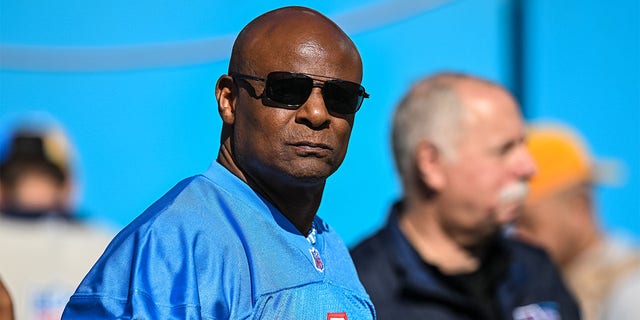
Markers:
point(317, 260)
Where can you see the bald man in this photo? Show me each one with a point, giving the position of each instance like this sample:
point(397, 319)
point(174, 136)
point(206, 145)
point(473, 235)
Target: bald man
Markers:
point(242, 240)
point(458, 142)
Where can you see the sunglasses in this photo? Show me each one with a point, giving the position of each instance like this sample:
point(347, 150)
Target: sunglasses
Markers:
point(291, 90)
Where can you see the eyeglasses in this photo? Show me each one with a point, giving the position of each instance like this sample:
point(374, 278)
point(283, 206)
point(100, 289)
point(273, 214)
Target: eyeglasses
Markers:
point(291, 90)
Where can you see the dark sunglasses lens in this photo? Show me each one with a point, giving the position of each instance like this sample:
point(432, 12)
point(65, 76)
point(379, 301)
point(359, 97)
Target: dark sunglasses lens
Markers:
point(288, 89)
point(342, 96)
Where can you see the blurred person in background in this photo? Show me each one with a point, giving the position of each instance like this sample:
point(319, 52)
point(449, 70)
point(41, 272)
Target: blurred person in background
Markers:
point(46, 248)
point(458, 142)
point(560, 215)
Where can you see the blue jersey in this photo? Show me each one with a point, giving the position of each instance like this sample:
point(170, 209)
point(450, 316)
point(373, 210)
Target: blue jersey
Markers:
point(211, 248)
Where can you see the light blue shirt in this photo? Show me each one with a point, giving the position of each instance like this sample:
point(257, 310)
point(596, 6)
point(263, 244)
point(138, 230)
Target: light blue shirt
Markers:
point(211, 248)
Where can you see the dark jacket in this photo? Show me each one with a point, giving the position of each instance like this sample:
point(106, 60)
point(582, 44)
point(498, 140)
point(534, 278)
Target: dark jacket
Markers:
point(403, 287)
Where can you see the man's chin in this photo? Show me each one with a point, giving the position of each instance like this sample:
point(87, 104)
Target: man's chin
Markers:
point(508, 213)
point(310, 170)
point(307, 176)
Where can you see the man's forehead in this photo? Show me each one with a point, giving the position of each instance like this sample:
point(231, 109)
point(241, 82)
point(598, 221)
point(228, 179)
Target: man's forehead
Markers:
point(308, 53)
point(288, 34)
point(295, 39)
point(483, 100)
point(494, 115)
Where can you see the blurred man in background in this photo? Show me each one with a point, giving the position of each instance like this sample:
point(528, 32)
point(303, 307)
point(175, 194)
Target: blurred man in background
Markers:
point(46, 249)
point(458, 143)
point(560, 215)
point(35, 177)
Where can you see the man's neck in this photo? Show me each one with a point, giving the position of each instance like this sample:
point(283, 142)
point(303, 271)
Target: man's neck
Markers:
point(588, 242)
point(297, 202)
point(419, 225)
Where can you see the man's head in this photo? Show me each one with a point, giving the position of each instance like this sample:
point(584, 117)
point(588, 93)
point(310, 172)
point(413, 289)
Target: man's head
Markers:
point(34, 175)
point(272, 130)
point(558, 214)
point(459, 146)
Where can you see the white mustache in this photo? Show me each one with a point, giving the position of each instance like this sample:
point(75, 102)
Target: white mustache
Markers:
point(514, 192)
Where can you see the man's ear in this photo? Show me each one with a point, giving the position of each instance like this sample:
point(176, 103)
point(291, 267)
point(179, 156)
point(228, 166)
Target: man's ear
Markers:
point(430, 161)
point(226, 96)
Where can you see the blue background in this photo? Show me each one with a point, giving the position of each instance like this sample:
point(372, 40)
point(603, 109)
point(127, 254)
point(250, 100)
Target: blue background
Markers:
point(133, 84)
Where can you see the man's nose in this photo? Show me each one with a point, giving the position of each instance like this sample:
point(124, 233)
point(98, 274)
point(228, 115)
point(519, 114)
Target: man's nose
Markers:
point(525, 165)
point(314, 112)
